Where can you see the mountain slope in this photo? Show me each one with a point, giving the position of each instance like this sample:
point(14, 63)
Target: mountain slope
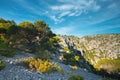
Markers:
point(12, 71)
point(94, 50)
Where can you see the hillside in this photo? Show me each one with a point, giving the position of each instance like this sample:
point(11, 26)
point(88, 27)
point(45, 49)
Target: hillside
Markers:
point(100, 51)
point(100, 46)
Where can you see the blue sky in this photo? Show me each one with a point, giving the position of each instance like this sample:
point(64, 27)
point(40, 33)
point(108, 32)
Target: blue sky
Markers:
point(67, 17)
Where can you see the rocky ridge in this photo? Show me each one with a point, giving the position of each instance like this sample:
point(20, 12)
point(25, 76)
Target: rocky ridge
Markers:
point(96, 47)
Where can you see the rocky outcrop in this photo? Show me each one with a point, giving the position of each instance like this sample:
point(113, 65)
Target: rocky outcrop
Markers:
point(94, 47)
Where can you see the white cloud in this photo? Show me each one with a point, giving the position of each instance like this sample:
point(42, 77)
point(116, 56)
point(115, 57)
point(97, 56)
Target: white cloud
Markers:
point(62, 7)
point(64, 14)
point(56, 20)
point(57, 12)
point(96, 7)
point(72, 8)
point(63, 30)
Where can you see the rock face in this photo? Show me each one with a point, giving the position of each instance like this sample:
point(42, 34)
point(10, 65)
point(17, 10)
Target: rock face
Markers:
point(94, 47)
point(93, 50)
point(69, 44)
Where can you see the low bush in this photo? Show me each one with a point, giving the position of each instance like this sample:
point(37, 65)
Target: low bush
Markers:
point(67, 50)
point(1, 65)
point(76, 77)
point(43, 66)
point(109, 65)
point(44, 55)
point(71, 59)
point(6, 50)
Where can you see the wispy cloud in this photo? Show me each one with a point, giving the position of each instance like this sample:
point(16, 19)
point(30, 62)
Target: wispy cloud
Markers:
point(31, 7)
point(69, 8)
point(72, 8)
point(62, 7)
point(64, 30)
point(66, 8)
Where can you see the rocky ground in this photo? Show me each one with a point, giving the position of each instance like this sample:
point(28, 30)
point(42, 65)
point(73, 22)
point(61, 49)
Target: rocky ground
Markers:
point(12, 71)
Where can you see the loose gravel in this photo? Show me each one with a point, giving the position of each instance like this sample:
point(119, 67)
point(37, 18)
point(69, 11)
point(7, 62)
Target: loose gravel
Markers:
point(12, 71)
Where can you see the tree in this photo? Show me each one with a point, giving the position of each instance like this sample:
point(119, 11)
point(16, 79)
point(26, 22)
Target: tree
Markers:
point(26, 24)
point(12, 30)
point(2, 20)
point(44, 32)
point(41, 26)
point(5, 24)
point(11, 22)
point(30, 36)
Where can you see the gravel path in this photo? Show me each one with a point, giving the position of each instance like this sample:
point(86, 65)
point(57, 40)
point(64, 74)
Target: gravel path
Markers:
point(15, 72)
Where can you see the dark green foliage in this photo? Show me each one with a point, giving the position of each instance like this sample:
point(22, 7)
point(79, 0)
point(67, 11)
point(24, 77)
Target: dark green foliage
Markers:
point(1, 65)
point(41, 25)
point(2, 30)
point(70, 58)
point(44, 55)
point(49, 43)
point(76, 77)
point(12, 30)
point(26, 36)
point(6, 50)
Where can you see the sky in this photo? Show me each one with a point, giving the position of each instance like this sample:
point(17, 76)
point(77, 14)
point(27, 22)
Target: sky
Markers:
point(66, 17)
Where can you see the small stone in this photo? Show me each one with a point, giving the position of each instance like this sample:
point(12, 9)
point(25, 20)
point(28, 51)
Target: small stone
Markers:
point(11, 62)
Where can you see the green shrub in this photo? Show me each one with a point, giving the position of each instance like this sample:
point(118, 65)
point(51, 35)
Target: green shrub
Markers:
point(71, 58)
point(27, 36)
point(67, 50)
point(44, 55)
point(43, 66)
point(7, 52)
point(108, 65)
point(1, 65)
point(76, 77)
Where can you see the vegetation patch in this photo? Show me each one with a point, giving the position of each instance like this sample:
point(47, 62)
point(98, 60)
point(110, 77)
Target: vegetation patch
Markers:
point(43, 54)
point(6, 50)
point(1, 65)
point(108, 65)
point(27, 36)
point(71, 58)
point(76, 77)
point(43, 66)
